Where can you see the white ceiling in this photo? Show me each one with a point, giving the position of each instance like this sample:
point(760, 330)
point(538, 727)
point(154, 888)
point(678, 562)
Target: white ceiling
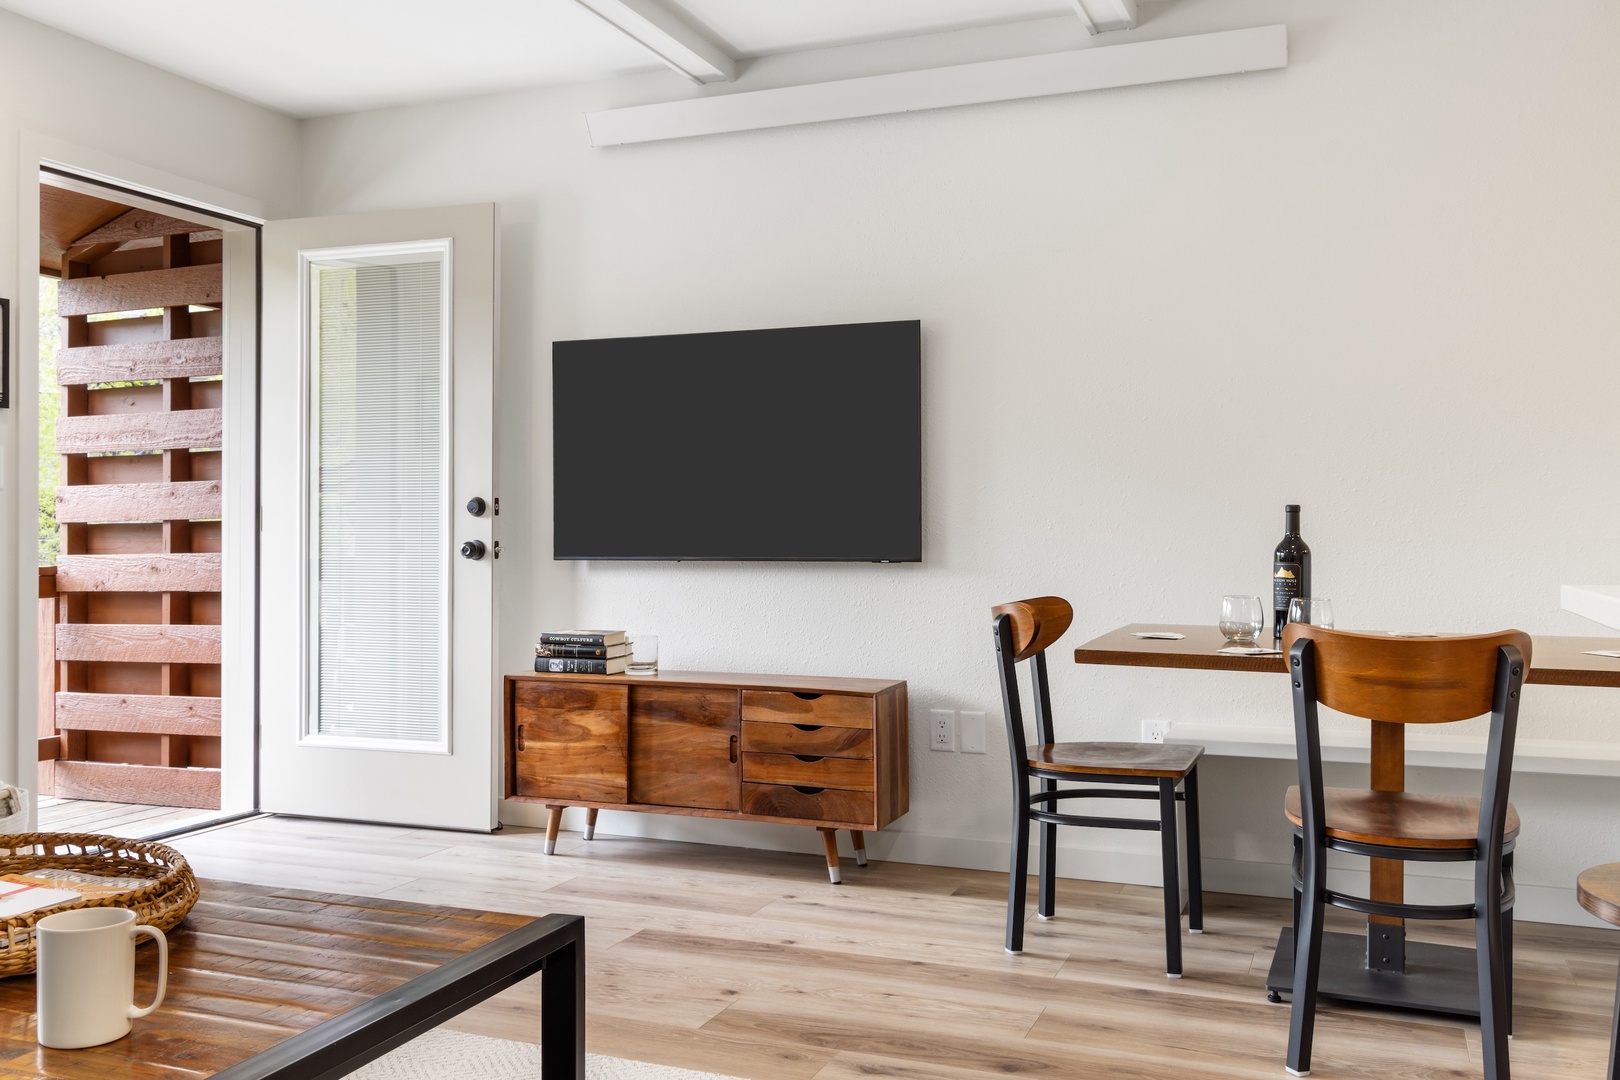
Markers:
point(321, 57)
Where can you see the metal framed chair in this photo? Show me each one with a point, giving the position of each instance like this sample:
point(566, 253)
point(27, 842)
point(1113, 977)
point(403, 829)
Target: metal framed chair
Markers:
point(1405, 681)
point(1166, 772)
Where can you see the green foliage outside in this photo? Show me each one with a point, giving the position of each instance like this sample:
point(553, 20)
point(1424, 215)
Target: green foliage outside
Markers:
point(50, 406)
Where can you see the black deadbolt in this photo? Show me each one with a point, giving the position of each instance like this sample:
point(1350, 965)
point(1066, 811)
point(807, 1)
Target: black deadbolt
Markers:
point(472, 549)
point(476, 506)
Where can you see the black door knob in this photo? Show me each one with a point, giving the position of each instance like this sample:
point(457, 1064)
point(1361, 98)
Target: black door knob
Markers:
point(472, 549)
point(476, 506)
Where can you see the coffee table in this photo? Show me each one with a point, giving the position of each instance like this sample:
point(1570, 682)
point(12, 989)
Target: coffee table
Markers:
point(284, 984)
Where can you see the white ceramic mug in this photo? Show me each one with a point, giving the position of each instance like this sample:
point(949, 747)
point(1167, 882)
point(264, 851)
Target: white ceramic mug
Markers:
point(86, 975)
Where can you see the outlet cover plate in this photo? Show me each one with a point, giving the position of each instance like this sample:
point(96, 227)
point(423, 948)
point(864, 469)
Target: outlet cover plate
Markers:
point(970, 732)
point(942, 729)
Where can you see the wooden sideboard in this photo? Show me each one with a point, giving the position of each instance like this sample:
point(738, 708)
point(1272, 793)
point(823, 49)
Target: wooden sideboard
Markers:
point(829, 753)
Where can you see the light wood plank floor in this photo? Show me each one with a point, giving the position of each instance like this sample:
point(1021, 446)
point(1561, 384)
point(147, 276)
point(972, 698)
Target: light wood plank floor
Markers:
point(751, 963)
point(130, 820)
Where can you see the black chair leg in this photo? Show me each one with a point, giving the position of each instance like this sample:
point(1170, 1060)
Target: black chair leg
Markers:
point(1614, 1037)
point(1297, 856)
point(1307, 966)
point(1493, 1000)
point(1195, 855)
point(1172, 878)
point(1046, 898)
point(1507, 964)
point(1018, 877)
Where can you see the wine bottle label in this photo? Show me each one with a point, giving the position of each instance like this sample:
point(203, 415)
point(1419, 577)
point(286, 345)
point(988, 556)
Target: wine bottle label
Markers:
point(1285, 582)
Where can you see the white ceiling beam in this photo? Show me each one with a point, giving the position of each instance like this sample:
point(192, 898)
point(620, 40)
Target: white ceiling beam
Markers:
point(664, 34)
point(1101, 16)
point(1229, 52)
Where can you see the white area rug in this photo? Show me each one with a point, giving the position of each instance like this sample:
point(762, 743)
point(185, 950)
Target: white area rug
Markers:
point(454, 1055)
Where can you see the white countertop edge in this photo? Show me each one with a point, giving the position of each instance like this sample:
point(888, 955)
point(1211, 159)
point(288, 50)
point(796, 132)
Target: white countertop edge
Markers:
point(1600, 603)
point(1551, 756)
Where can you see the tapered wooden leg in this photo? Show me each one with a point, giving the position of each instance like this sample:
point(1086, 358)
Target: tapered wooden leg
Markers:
point(858, 838)
point(590, 824)
point(553, 824)
point(829, 840)
point(1172, 877)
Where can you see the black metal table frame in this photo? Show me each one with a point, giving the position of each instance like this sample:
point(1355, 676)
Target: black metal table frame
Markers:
point(553, 945)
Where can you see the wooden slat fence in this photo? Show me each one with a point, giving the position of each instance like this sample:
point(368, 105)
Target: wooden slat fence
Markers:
point(130, 704)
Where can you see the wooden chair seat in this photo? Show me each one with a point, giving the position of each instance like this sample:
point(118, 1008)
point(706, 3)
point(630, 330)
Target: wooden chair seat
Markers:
point(1117, 758)
point(1598, 890)
point(1400, 818)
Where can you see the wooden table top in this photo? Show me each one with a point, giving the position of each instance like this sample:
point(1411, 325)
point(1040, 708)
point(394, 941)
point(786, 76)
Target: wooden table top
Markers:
point(1556, 661)
point(250, 966)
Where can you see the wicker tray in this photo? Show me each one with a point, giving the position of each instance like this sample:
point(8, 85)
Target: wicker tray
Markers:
point(163, 902)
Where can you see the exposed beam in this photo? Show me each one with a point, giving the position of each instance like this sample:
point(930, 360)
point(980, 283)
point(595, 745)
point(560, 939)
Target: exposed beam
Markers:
point(1226, 53)
point(1101, 16)
point(664, 34)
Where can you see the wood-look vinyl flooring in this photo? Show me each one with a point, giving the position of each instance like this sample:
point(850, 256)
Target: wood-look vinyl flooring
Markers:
point(750, 963)
point(129, 820)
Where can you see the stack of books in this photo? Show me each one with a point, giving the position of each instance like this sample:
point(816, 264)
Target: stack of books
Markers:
point(583, 652)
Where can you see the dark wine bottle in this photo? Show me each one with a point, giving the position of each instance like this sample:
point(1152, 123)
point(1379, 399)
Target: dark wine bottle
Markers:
point(1290, 569)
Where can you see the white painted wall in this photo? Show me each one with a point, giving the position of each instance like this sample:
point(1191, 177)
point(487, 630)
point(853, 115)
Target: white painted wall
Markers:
point(94, 109)
point(1380, 283)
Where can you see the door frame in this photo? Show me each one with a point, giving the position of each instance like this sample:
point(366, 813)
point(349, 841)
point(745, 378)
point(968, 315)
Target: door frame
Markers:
point(240, 218)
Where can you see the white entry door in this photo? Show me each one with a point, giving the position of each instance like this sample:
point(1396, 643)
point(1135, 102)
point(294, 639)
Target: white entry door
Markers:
point(377, 671)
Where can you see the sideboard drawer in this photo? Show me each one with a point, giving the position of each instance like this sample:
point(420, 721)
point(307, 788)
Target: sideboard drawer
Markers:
point(812, 740)
point(848, 774)
point(808, 803)
point(828, 710)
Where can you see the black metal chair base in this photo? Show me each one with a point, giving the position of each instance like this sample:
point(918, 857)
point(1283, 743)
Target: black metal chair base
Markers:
point(1438, 978)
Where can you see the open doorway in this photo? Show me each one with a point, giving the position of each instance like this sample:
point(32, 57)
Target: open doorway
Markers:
point(131, 513)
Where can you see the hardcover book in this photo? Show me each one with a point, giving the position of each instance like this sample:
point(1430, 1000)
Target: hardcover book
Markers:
point(582, 652)
point(584, 637)
point(574, 666)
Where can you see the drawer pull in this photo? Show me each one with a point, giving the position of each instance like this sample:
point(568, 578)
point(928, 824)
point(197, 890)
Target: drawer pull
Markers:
point(809, 727)
point(807, 757)
point(808, 790)
point(807, 697)
point(734, 749)
point(520, 738)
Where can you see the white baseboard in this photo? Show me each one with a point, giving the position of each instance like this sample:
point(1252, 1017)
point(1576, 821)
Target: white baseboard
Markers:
point(1094, 862)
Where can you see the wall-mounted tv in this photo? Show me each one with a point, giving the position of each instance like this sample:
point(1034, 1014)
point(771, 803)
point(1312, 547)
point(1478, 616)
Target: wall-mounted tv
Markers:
point(801, 444)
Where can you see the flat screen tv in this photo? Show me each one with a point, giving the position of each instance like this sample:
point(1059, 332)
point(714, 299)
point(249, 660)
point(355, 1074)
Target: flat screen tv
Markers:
point(800, 444)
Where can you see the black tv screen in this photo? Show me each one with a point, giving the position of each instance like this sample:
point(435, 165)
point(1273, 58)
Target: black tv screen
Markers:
point(789, 444)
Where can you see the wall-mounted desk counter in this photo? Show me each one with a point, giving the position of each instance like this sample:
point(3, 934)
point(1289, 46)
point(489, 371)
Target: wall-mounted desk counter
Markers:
point(1557, 661)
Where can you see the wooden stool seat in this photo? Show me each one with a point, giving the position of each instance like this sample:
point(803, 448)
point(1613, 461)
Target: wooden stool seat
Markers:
point(1117, 758)
point(1400, 818)
point(1598, 890)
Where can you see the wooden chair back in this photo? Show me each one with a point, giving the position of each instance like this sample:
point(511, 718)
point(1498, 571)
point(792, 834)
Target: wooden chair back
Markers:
point(1036, 623)
point(1023, 630)
point(1405, 680)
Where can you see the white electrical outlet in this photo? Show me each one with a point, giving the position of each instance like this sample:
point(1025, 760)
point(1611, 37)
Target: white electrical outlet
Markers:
point(1155, 730)
point(942, 729)
point(970, 733)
